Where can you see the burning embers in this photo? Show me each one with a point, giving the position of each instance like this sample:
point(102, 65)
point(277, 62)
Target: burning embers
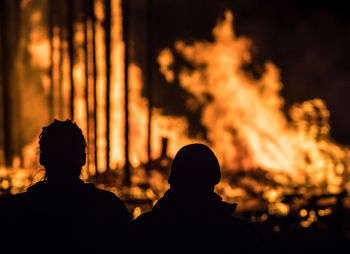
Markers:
point(248, 129)
point(266, 156)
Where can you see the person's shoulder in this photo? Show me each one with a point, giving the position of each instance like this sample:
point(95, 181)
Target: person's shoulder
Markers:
point(12, 199)
point(111, 200)
point(242, 227)
point(107, 196)
point(227, 212)
point(93, 190)
point(12, 204)
point(239, 221)
point(147, 219)
point(143, 218)
point(14, 196)
point(144, 222)
point(4, 200)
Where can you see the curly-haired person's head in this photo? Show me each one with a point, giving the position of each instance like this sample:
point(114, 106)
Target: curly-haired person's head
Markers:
point(62, 150)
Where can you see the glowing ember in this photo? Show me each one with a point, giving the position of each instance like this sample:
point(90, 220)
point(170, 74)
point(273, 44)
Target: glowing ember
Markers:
point(265, 155)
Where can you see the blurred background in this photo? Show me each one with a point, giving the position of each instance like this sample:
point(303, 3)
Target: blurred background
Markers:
point(264, 83)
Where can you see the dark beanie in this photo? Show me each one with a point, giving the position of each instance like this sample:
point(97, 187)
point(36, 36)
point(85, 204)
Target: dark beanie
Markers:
point(195, 165)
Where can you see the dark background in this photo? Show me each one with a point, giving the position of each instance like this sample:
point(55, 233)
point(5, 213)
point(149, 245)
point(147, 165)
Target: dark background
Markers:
point(307, 40)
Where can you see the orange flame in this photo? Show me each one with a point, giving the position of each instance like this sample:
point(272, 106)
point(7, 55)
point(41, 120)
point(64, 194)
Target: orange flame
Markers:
point(244, 119)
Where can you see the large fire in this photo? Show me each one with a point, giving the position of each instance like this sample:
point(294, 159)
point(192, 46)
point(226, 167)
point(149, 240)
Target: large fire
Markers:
point(244, 117)
point(261, 149)
point(246, 125)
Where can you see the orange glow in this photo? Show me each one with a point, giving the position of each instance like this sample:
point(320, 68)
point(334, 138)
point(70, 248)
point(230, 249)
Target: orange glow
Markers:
point(245, 122)
point(79, 101)
point(56, 58)
point(165, 60)
point(90, 100)
point(117, 93)
point(173, 128)
point(66, 86)
point(138, 109)
point(100, 88)
point(39, 44)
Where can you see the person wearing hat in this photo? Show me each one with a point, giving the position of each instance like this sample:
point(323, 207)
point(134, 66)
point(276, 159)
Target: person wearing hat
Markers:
point(191, 217)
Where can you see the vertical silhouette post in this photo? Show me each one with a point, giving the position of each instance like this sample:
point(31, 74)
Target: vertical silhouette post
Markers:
point(126, 86)
point(108, 75)
point(87, 65)
point(51, 95)
point(92, 7)
point(70, 5)
point(8, 47)
point(149, 82)
point(60, 82)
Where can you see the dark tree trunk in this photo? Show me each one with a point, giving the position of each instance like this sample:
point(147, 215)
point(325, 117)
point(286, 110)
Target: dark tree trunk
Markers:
point(8, 48)
point(108, 74)
point(86, 7)
point(52, 89)
point(126, 78)
point(149, 82)
point(92, 8)
point(70, 5)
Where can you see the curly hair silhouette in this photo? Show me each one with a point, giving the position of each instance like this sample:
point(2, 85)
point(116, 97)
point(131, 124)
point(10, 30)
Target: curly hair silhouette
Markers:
point(62, 150)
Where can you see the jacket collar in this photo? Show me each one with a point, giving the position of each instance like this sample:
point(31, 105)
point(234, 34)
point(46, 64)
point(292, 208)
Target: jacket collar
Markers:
point(207, 202)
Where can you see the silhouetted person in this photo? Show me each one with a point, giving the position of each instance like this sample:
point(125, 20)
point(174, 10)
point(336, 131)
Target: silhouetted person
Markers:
point(62, 214)
point(191, 217)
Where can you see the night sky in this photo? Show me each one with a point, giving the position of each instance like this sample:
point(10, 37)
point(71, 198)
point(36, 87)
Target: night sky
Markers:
point(307, 40)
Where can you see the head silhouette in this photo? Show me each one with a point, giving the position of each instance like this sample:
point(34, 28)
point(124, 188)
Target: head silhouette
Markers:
point(195, 166)
point(62, 150)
